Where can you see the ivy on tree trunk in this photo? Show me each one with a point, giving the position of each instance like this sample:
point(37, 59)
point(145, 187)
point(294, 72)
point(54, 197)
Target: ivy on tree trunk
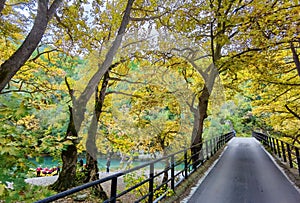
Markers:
point(200, 114)
point(91, 155)
point(66, 178)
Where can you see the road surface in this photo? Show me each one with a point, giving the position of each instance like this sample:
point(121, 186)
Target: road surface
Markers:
point(245, 174)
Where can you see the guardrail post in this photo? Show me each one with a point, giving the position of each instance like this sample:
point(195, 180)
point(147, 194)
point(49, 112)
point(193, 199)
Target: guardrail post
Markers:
point(151, 177)
point(113, 189)
point(172, 173)
point(216, 144)
point(201, 156)
point(289, 155)
point(274, 145)
point(265, 139)
point(298, 159)
point(278, 149)
point(259, 137)
point(283, 151)
point(214, 140)
point(211, 147)
point(206, 149)
point(221, 141)
point(270, 143)
point(256, 136)
point(185, 165)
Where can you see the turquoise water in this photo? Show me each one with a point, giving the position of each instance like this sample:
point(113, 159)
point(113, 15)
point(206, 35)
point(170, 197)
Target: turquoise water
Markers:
point(114, 164)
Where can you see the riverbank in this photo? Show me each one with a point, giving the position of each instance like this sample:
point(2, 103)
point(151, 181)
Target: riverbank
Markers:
point(48, 180)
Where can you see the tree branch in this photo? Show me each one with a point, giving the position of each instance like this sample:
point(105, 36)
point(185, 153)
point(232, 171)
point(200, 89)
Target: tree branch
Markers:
point(147, 18)
point(296, 58)
point(292, 112)
point(71, 91)
point(124, 80)
point(277, 96)
point(192, 108)
point(281, 83)
point(53, 7)
point(65, 26)
point(2, 3)
point(123, 93)
point(192, 61)
point(11, 66)
point(20, 91)
point(39, 54)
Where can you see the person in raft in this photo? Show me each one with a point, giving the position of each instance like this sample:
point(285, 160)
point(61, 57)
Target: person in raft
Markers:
point(38, 171)
point(107, 165)
point(80, 163)
point(58, 169)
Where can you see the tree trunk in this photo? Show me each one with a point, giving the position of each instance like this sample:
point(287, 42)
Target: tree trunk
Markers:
point(12, 65)
point(69, 156)
point(66, 178)
point(91, 155)
point(295, 57)
point(81, 102)
point(2, 3)
point(199, 116)
point(92, 167)
point(166, 175)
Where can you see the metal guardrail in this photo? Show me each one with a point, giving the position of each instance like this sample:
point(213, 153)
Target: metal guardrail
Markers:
point(285, 151)
point(176, 161)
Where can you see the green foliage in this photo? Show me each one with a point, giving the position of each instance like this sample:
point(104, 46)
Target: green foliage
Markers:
point(236, 114)
point(135, 178)
point(17, 135)
point(273, 93)
point(23, 192)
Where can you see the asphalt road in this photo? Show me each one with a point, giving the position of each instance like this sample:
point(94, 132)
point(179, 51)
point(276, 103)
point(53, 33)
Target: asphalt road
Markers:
point(245, 174)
